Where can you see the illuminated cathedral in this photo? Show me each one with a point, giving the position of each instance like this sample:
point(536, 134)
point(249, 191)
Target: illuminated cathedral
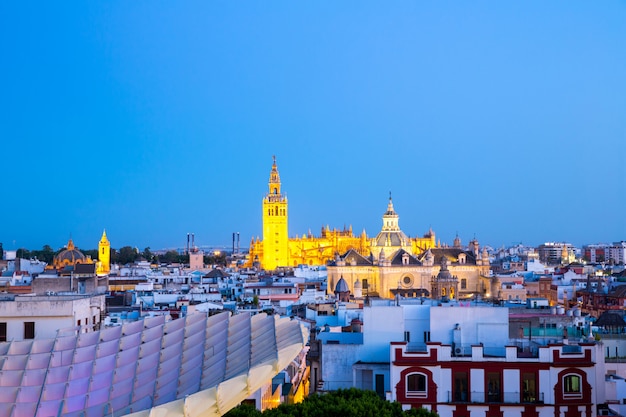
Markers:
point(72, 256)
point(277, 249)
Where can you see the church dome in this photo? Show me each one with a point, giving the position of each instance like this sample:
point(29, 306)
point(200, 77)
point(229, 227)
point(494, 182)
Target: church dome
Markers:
point(342, 286)
point(390, 235)
point(444, 272)
point(69, 256)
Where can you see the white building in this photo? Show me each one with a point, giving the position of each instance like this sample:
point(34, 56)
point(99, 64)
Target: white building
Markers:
point(361, 358)
point(560, 380)
point(30, 317)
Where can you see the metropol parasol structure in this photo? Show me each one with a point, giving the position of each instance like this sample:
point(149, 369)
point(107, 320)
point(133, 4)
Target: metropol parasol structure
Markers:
point(192, 366)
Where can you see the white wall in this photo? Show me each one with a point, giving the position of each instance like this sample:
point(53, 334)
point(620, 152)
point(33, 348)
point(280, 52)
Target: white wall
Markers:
point(486, 325)
point(416, 322)
point(381, 325)
point(337, 368)
point(49, 314)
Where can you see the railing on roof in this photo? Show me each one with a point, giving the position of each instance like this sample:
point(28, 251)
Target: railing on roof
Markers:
point(478, 397)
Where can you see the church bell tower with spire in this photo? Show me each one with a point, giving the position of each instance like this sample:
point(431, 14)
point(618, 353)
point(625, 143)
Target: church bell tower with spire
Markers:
point(275, 234)
point(104, 255)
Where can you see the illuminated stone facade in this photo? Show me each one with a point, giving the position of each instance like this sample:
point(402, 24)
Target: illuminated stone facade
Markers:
point(466, 274)
point(275, 233)
point(278, 250)
point(104, 255)
point(70, 256)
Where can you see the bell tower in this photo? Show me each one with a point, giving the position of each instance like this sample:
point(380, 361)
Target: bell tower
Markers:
point(104, 255)
point(275, 235)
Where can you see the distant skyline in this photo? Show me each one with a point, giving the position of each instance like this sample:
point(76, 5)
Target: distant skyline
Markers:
point(500, 120)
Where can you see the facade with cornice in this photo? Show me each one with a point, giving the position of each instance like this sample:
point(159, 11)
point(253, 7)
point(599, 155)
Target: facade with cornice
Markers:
point(394, 267)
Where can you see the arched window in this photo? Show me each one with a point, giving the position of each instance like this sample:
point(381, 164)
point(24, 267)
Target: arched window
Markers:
point(275, 191)
point(572, 386)
point(416, 385)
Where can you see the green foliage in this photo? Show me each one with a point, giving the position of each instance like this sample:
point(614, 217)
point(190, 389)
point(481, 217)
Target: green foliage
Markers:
point(213, 259)
point(341, 403)
point(46, 254)
point(92, 253)
point(170, 257)
point(126, 255)
point(244, 410)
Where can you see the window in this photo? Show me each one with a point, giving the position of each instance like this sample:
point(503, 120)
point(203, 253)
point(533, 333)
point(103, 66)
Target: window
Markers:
point(460, 386)
point(3, 332)
point(529, 387)
point(426, 337)
point(407, 336)
point(380, 385)
point(572, 386)
point(29, 330)
point(493, 387)
point(416, 385)
point(463, 283)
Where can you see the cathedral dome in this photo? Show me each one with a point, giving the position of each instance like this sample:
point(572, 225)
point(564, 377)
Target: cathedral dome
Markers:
point(69, 256)
point(391, 237)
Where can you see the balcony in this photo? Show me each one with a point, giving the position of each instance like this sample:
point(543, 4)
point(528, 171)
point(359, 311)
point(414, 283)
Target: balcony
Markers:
point(477, 397)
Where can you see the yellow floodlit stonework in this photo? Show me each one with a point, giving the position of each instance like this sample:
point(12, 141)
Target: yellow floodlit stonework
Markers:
point(277, 249)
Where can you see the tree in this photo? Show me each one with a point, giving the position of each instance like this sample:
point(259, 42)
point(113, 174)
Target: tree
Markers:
point(47, 254)
point(344, 402)
point(215, 259)
point(244, 410)
point(147, 254)
point(170, 257)
point(127, 255)
point(92, 253)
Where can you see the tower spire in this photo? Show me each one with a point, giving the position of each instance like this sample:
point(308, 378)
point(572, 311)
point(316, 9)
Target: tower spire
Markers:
point(274, 182)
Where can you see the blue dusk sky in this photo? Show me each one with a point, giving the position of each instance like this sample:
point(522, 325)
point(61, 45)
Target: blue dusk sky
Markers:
point(503, 120)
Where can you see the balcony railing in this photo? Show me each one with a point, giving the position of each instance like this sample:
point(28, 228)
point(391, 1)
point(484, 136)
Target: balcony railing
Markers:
point(494, 397)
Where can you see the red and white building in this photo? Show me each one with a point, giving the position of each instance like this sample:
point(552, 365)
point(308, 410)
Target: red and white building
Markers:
point(560, 380)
